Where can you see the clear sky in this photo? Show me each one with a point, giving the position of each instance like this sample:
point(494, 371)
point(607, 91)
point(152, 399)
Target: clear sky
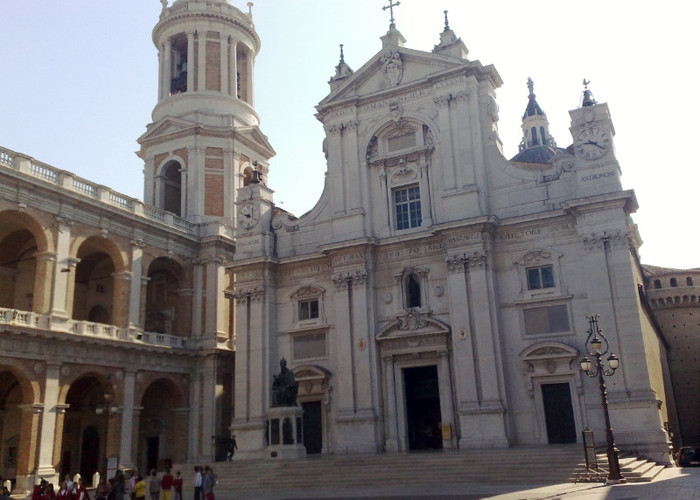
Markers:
point(79, 82)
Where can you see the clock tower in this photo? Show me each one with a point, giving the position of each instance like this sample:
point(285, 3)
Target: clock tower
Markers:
point(597, 168)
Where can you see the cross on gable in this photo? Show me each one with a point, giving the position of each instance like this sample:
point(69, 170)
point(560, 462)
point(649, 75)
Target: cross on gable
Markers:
point(391, 10)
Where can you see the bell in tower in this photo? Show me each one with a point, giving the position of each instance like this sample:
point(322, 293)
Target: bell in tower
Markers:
point(204, 133)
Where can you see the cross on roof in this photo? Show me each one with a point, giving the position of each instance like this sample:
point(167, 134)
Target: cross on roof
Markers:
point(391, 10)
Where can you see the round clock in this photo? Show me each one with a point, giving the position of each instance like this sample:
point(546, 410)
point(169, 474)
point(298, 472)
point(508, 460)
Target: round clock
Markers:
point(592, 143)
point(248, 215)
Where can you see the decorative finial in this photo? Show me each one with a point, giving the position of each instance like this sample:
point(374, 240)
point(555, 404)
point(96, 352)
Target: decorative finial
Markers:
point(588, 99)
point(391, 10)
point(342, 57)
point(164, 3)
point(250, 8)
point(530, 85)
point(447, 25)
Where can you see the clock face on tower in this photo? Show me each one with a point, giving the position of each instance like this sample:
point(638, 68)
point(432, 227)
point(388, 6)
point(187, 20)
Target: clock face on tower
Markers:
point(592, 143)
point(248, 215)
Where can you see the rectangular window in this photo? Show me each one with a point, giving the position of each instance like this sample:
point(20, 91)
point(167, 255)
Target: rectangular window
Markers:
point(540, 277)
point(310, 346)
point(407, 207)
point(552, 319)
point(308, 309)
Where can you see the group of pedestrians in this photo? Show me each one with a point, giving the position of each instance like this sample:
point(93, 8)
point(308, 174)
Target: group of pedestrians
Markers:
point(204, 482)
point(168, 487)
point(68, 490)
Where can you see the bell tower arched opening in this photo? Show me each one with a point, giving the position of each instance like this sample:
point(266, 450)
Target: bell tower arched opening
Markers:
point(171, 188)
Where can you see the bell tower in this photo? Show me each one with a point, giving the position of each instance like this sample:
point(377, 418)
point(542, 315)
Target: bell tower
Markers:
point(205, 136)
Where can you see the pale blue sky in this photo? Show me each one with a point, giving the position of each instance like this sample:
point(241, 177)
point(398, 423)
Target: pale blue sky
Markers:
point(79, 83)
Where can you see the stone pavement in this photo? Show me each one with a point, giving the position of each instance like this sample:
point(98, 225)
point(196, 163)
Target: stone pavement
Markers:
point(672, 483)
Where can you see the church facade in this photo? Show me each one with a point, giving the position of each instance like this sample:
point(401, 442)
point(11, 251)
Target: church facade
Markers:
point(434, 298)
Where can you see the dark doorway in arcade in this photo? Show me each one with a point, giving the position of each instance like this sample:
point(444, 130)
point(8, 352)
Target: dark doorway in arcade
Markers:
point(423, 408)
point(152, 448)
point(89, 453)
point(558, 413)
point(313, 427)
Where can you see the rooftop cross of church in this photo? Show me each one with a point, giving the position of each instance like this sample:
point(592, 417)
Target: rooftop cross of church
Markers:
point(391, 10)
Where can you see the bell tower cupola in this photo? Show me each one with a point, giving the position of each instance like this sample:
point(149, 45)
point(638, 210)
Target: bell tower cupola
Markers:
point(206, 59)
point(535, 124)
point(204, 141)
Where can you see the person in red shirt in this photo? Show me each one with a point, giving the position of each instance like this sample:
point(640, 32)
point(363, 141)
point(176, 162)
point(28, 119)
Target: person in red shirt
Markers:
point(177, 486)
point(166, 485)
point(82, 490)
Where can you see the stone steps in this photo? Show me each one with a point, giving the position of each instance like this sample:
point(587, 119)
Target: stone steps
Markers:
point(634, 469)
point(544, 465)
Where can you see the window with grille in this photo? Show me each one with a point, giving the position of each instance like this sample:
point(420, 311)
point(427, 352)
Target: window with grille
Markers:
point(407, 207)
point(540, 277)
point(308, 309)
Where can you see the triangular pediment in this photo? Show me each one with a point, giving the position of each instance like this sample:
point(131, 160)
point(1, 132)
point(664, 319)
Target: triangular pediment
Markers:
point(396, 67)
point(412, 324)
point(256, 140)
point(165, 126)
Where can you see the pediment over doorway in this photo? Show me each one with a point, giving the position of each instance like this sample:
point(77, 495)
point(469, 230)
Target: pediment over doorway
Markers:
point(413, 332)
point(312, 379)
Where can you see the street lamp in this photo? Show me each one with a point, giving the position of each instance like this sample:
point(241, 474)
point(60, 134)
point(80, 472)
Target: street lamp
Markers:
point(597, 346)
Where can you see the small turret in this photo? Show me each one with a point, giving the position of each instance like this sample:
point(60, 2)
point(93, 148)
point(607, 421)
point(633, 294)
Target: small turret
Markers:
point(449, 44)
point(537, 146)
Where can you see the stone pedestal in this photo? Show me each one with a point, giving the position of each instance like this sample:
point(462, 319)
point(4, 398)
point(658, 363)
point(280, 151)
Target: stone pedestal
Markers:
point(284, 433)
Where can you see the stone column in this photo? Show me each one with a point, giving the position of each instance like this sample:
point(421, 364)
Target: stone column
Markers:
point(120, 300)
point(250, 61)
point(195, 185)
point(190, 61)
point(446, 397)
point(167, 73)
point(149, 175)
point(27, 449)
point(216, 282)
point(198, 284)
point(126, 460)
point(223, 62)
point(48, 422)
point(142, 304)
point(136, 273)
point(447, 155)
point(194, 424)
point(392, 440)
point(201, 61)
point(233, 76)
point(467, 377)
point(208, 409)
point(43, 282)
point(64, 271)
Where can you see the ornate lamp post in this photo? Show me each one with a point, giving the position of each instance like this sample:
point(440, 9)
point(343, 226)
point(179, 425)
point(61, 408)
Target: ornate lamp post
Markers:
point(597, 346)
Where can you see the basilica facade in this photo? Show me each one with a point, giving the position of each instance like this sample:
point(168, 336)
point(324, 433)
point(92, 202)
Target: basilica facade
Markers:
point(434, 298)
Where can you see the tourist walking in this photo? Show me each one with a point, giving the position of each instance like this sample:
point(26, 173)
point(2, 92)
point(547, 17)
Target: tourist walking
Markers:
point(154, 485)
point(140, 487)
point(177, 486)
point(198, 482)
point(166, 484)
point(208, 483)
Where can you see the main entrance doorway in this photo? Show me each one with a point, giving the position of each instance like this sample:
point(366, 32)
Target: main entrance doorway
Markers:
point(558, 413)
point(423, 418)
point(313, 427)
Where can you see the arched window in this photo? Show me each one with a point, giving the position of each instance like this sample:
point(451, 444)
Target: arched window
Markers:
point(657, 283)
point(172, 188)
point(413, 292)
point(674, 282)
point(542, 135)
point(533, 131)
point(689, 281)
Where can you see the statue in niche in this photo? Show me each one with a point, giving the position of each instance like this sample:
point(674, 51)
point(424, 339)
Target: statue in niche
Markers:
point(284, 387)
